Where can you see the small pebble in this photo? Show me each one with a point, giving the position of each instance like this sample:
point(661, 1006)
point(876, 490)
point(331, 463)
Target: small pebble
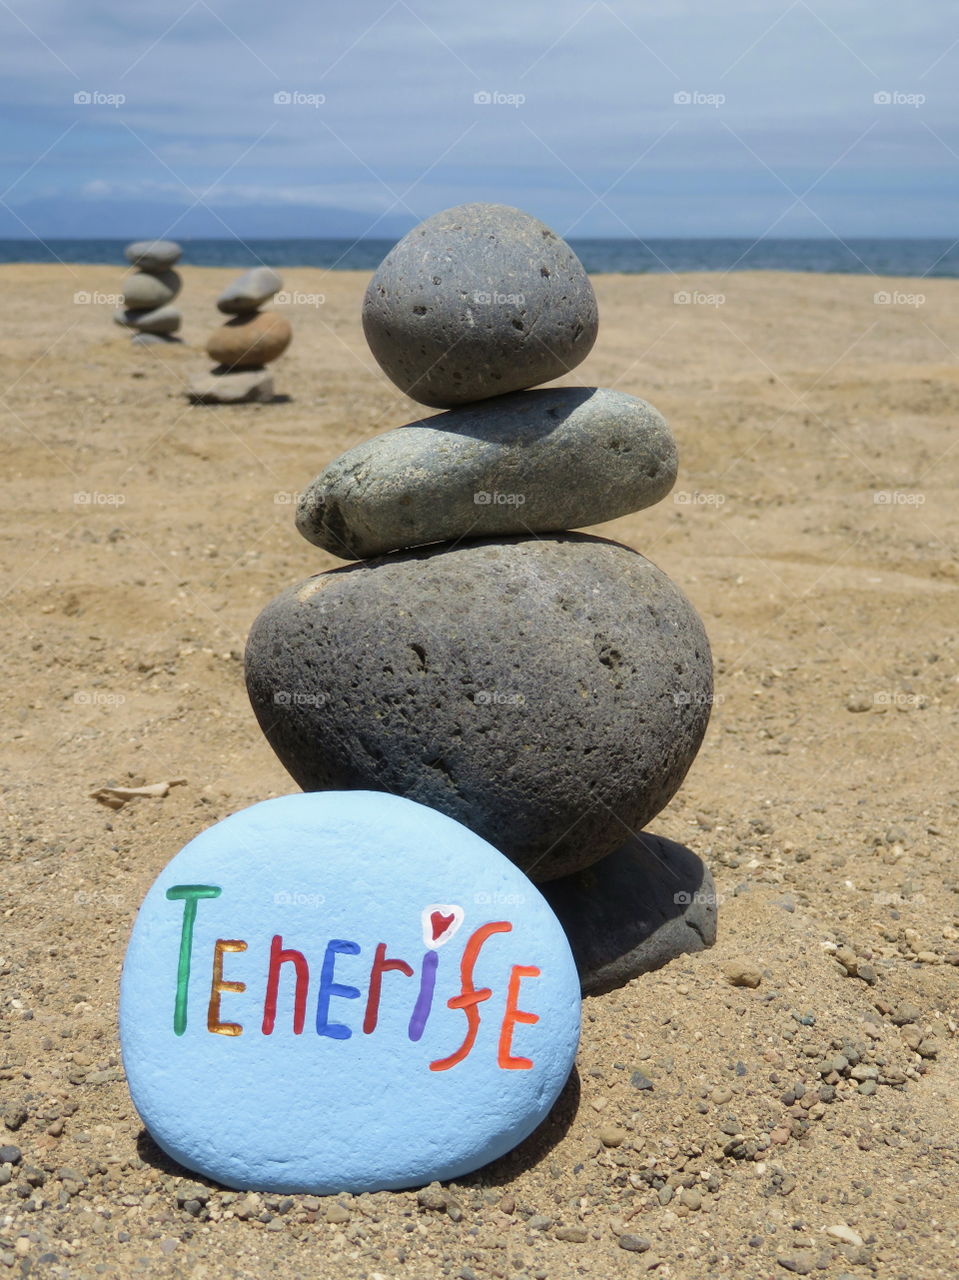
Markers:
point(634, 1244)
point(740, 974)
point(612, 1136)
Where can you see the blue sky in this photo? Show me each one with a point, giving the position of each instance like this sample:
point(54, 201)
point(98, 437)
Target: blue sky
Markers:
point(743, 118)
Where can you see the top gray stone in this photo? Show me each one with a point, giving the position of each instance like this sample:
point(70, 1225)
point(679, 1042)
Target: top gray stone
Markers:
point(249, 291)
point(558, 458)
point(153, 255)
point(477, 301)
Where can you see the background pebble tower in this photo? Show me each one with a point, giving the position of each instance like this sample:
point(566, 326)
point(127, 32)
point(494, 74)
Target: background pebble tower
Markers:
point(549, 689)
point(246, 344)
point(148, 291)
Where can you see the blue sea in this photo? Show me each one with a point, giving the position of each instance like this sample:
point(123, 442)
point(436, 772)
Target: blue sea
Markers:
point(856, 257)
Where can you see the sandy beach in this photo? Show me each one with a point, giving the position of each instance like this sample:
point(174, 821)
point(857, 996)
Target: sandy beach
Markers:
point(808, 1124)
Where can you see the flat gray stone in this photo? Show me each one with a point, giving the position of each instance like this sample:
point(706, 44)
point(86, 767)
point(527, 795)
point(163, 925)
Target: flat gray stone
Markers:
point(548, 692)
point(153, 255)
point(524, 463)
point(147, 290)
point(249, 291)
point(161, 320)
point(477, 301)
point(635, 910)
point(232, 387)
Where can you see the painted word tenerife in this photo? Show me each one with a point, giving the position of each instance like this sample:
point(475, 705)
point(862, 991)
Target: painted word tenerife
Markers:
point(286, 963)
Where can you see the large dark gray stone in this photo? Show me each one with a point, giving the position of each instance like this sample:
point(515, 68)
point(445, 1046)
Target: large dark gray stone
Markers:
point(634, 911)
point(524, 463)
point(550, 693)
point(477, 301)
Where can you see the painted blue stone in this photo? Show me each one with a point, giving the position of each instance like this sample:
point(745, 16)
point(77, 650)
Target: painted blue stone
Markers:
point(337, 1107)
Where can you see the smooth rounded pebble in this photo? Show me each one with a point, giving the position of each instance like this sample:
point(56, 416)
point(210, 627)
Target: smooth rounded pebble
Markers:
point(550, 692)
point(642, 906)
point(477, 301)
point(158, 320)
point(232, 386)
point(153, 255)
point(525, 463)
point(250, 341)
point(146, 290)
point(249, 291)
point(344, 993)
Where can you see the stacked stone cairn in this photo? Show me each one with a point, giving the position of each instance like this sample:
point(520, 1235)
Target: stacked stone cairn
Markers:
point(549, 689)
point(148, 291)
point(246, 344)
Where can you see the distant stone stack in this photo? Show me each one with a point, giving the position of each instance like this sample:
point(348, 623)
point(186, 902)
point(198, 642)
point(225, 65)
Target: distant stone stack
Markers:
point(246, 344)
point(149, 290)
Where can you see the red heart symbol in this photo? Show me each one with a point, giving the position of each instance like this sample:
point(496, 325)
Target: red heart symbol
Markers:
point(440, 923)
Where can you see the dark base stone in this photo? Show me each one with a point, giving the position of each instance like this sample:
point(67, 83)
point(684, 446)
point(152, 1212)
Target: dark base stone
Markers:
point(634, 911)
point(151, 339)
